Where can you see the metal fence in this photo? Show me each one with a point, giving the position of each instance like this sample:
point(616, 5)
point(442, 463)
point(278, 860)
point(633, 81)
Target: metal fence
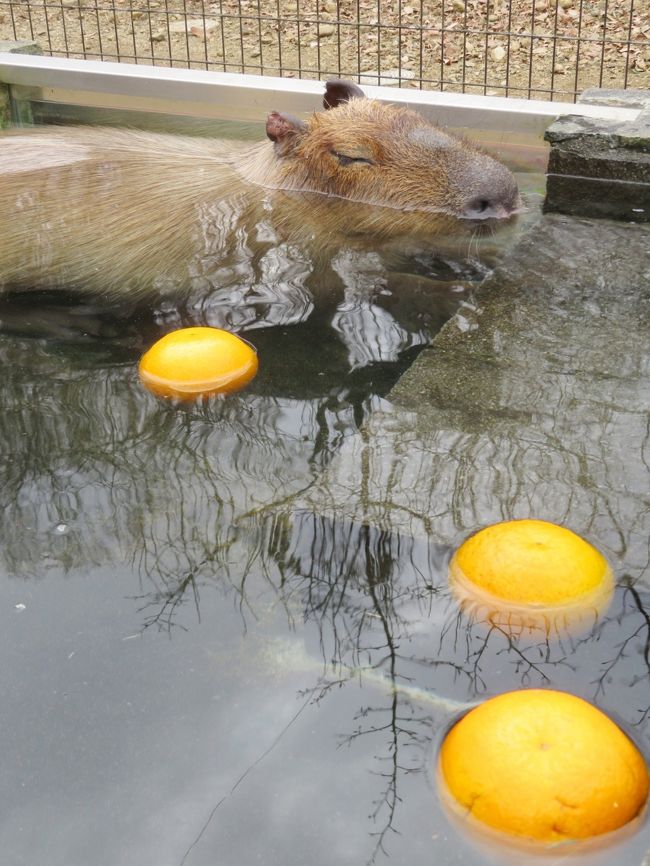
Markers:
point(546, 49)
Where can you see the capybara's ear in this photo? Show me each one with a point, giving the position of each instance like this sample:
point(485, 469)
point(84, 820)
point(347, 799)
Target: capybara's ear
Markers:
point(282, 129)
point(338, 91)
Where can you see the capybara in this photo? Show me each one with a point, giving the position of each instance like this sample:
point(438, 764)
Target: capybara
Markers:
point(117, 211)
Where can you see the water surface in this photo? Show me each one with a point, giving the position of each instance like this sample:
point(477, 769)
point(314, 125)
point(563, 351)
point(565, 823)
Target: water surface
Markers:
point(196, 669)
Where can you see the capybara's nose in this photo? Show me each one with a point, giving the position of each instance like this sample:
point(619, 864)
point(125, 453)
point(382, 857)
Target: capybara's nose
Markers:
point(501, 206)
point(493, 194)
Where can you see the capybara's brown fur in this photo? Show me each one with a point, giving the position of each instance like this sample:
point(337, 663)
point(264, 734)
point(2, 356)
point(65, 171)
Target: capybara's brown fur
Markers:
point(117, 211)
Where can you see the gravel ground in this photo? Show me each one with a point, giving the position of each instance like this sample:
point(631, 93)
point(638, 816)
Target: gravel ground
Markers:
point(516, 48)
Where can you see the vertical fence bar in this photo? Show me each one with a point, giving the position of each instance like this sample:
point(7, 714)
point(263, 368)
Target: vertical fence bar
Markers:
point(338, 39)
point(358, 7)
point(260, 44)
point(135, 47)
point(47, 24)
point(206, 64)
point(319, 64)
point(486, 44)
point(240, 19)
point(442, 44)
point(379, 41)
point(186, 36)
point(299, 38)
point(151, 58)
point(13, 20)
point(223, 34)
point(99, 29)
point(629, 45)
point(464, 66)
point(400, 31)
point(530, 53)
point(508, 49)
point(555, 39)
point(421, 41)
point(576, 76)
point(279, 31)
point(81, 25)
point(116, 32)
point(604, 41)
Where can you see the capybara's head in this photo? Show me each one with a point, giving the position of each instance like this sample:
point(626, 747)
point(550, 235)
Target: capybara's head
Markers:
point(391, 158)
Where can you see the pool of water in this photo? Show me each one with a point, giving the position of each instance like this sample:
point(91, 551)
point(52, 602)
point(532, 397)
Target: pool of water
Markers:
point(192, 673)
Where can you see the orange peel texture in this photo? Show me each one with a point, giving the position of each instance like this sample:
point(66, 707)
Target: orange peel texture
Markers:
point(544, 765)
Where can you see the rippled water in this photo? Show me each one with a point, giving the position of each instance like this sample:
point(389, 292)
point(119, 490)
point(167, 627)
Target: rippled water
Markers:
point(196, 670)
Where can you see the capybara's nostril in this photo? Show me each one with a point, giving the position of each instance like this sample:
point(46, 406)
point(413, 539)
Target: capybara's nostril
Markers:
point(500, 206)
point(484, 208)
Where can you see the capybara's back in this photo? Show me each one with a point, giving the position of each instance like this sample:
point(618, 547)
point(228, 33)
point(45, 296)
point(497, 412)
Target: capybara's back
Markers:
point(110, 209)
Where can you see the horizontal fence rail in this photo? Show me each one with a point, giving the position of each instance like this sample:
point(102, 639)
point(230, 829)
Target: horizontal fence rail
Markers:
point(544, 49)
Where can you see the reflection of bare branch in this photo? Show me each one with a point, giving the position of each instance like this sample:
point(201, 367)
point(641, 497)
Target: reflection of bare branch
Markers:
point(622, 647)
point(524, 648)
point(167, 604)
point(525, 666)
point(389, 798)
point(401, 730)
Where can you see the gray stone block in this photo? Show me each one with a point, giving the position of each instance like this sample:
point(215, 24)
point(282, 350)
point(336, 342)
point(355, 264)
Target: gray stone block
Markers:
point(622, 98)
point(601, 167)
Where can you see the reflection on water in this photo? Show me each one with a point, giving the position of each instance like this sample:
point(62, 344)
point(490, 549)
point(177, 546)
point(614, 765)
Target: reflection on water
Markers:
point(374, 312)
point(202, 667)
point(313, 665)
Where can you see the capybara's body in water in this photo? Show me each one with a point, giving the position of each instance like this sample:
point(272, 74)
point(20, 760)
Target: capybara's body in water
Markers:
point(117, 212)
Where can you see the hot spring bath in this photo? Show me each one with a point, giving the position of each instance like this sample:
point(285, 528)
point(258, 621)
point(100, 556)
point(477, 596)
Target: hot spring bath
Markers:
point(226, 628)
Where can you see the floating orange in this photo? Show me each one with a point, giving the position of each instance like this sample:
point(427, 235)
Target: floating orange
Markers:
point(192, 362)
point(544, 765)
point(532, 568)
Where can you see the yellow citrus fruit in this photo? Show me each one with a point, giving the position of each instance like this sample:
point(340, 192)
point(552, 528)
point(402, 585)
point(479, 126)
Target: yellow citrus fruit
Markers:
point(530, 562)
point(198, 361)
point(545, 765)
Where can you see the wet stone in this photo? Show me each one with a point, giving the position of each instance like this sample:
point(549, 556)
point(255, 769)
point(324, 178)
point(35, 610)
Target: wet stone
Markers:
point(601, 167)
point(540, 411)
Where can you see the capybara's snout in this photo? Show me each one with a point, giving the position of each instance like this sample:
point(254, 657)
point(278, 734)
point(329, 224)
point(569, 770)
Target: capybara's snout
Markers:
point(487, 190)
